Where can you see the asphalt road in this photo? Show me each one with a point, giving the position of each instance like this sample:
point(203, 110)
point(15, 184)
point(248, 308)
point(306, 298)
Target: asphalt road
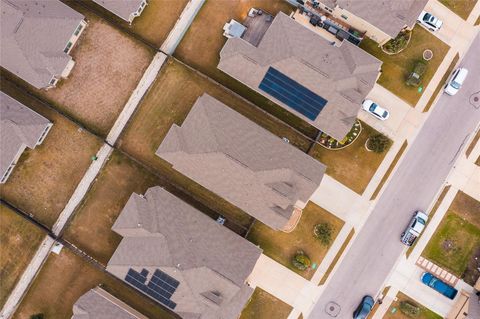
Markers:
point(413, 187)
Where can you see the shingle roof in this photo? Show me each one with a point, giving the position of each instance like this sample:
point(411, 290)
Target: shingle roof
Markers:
point(390, 16)
point(19, 126)
point(240, 161)
point(34, 35)
point(122, 8)
point(160, 231)
point(342, 75)
point(98, 304)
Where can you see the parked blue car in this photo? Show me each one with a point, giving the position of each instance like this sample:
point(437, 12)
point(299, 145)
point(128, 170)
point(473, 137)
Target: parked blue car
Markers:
point(364, 308)
point(440, 286)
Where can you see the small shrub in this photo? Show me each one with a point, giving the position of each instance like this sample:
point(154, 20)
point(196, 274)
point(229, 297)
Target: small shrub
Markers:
point(378, 143)
point(409, 309)
point(301, 261)
point(399, 43)
point(37, 316)
point(415, 76)
point(323, 232)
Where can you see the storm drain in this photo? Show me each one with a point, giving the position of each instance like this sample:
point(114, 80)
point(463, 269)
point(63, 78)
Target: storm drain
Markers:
point(332, 309)
point(475, 100)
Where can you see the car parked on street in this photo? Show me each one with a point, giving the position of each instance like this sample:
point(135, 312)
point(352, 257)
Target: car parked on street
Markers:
point(456, 81)
point(429, 21)
point(375, 109)
point(364, 308)
point(438, 285)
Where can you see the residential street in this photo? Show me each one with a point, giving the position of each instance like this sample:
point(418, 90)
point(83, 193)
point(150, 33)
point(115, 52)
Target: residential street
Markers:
point(419, 177)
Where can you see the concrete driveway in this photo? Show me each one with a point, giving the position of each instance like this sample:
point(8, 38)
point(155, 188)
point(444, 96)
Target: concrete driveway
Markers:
point(426, 165)
point(452, 23)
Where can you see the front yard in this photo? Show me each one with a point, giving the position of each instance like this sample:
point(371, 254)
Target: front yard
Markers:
point(45, 177)
point(282, 246)
point(456, 243)
point(19, 239)
point(352, 166)
point(402, 302)
point(461, 7)
point(396, 68)
point(201, 45)
point(66, 277)
point(263, 305)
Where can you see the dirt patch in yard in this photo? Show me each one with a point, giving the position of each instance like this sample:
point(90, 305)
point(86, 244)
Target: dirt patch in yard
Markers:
point(19, 239)
point(282, 246)
point(66, 277)
point(45, 178)
point(263, 305)
point(108, 67)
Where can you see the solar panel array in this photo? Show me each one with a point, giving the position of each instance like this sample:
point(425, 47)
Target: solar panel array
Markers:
point(292, 93)
point(160, 287)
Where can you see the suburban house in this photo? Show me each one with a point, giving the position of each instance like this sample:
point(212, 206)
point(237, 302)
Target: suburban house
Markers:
point(20, 128)
point(37, 37)
point(381, 20)
point(99, 304)
point(125, 9)
point(321, 83)
point(242, 162)
point(181, 258)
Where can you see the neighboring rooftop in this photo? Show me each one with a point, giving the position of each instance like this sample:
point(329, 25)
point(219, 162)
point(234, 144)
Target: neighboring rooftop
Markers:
point(390, 16)
point(122, 8)
point(181, 258)
point(99, 304)
point(301, 71)
point(34, 37)
point(240, 161)
point(20, 127)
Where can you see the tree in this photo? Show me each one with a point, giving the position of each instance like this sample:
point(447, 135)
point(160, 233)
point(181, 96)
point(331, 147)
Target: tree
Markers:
point(301, 261)
point(409, 309)
point(323, 232)
point(378, 143)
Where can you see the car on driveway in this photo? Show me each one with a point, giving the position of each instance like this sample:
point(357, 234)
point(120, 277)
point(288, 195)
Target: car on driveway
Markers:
point(375, 109)
point(438, 285)
point(456, 81)
point(364, 308)
point(429, 21)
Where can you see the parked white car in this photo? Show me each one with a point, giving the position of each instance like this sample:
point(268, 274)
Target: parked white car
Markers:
point(429, 21)
point(375, 109)
point(456, 81)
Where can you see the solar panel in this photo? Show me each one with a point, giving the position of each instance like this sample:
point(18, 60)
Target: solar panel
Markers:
point(292, 93)
point(161, 286)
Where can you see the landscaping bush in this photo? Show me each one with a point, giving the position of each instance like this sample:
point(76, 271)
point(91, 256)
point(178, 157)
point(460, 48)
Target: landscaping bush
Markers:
point(37, 316)
point(323, 232)
point(415, 76)
point(399, 43)
point(301, 261)
point(409, 309)
point(378, 143)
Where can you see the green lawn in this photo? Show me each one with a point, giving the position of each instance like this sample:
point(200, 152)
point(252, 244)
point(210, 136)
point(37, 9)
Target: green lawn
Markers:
point(282, 246)
point(395, 313)
point(461, 7)
point(396, 68)
point(263, 305)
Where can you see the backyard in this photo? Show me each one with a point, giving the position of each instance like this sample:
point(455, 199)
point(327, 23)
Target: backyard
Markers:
point(66, 277)
point(59, 163)
point(395, 310)
point(456, 243)
point(396, 68)
point(263, 305)
point(461, 7)
point(282, 246)
point(201, 45)
point(19, 239)
point(352, 166)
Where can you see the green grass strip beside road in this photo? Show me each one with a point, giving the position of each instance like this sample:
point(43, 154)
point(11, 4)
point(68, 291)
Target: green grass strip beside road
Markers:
point(337, 257)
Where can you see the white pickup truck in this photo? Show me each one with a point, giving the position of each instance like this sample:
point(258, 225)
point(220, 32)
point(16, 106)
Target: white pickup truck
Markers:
point(415, 228)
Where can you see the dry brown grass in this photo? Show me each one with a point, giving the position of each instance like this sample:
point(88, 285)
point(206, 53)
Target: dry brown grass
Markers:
point(461, 7)
point(116, 182)
point(263, 305)
point(66, 277)
point(45, 177)
point(282, 246)
point(466, 207)
point(109, 65)
point(472, 145)
point(397, 314)
point(19, 240)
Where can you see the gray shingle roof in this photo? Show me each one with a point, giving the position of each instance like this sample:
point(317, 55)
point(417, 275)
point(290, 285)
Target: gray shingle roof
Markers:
point(121, 8)
point(19, 127)
point(240, 161)
point(160, 231)
point(34, 35)
point(98, 304)
point(342, 75)
point(390, 16)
